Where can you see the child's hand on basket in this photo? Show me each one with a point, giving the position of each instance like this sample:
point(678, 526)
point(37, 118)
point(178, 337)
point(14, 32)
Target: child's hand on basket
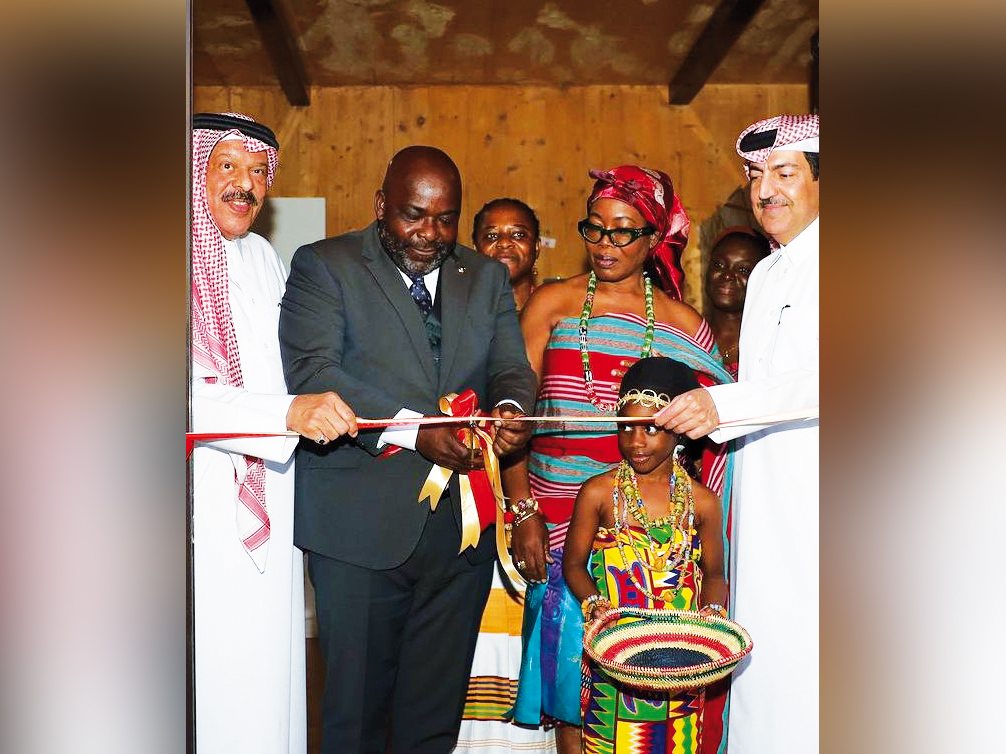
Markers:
point(600, 610)
point(713, 609)
point(597, 609)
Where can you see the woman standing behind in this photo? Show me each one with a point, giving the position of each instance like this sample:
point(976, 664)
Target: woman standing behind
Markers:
point(507, 230)
point(735, 253)
point(578, 333)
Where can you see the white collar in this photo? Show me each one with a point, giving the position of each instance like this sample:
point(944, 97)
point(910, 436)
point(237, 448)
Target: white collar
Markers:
point(804, 244)
point(429, 279)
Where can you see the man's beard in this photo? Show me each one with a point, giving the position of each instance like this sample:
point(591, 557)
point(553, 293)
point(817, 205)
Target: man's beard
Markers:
point(399, 252)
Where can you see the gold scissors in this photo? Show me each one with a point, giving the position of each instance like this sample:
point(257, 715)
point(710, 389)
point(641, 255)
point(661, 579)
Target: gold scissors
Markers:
point(473, 441)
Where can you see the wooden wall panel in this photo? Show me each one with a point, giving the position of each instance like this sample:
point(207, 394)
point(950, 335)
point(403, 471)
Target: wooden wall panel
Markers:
point(535, 143)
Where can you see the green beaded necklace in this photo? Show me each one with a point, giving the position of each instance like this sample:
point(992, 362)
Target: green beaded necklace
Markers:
point(588, 305)
point(681, 516)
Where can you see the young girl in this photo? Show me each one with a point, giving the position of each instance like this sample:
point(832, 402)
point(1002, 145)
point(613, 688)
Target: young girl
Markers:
point(645, 535)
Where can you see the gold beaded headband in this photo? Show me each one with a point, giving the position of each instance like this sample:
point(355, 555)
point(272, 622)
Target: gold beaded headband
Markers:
point(648, 398)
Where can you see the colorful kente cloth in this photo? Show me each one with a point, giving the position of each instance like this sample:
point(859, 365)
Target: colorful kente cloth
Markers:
point(562, 457)
point(492, 687)
point(618, 719)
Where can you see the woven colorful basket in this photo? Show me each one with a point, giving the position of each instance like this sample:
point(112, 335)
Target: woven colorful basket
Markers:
point(665, 650)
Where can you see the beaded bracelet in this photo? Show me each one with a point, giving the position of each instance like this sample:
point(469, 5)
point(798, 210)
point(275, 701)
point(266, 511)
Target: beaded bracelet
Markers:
point(522, 505)
point(717, 607)
point(522, 509)
point(588, 605)
point(525, 517)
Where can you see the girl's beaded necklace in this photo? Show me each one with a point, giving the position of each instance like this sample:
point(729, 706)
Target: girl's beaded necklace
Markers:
point(677, 546)
point(588, 305)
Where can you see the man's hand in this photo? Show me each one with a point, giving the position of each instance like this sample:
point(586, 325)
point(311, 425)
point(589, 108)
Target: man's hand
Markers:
point(529, 543)
point(692, 413)
point(320, 417)
point(439, 443)
point(509, 436)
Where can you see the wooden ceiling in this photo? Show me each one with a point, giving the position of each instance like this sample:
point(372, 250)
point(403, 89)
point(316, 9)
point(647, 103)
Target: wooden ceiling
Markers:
point(682, 43)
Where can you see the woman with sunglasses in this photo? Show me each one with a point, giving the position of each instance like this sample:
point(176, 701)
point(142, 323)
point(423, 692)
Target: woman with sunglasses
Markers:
point(581, 335)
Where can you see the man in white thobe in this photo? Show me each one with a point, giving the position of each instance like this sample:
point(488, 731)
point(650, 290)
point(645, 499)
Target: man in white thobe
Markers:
point(250, 682)
point(774, 695)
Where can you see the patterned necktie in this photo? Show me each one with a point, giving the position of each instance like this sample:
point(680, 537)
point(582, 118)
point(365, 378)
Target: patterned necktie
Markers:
point(421, 296)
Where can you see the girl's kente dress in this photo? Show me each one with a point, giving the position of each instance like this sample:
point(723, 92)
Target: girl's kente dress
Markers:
point(617, 718)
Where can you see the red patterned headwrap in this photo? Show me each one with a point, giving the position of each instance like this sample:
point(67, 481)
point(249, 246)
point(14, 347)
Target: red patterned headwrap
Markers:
point(652, 193)
point(214, 344)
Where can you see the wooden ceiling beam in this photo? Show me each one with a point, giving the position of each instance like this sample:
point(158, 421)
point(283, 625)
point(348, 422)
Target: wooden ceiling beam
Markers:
point(729, 19)
point(280, 43)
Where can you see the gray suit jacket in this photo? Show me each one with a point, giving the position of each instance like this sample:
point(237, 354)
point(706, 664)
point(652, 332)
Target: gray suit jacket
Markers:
point(348, 324)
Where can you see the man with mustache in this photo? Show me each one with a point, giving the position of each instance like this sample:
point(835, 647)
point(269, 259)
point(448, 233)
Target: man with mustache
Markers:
point(248, 581)
point(393, 317)
point(774, 589)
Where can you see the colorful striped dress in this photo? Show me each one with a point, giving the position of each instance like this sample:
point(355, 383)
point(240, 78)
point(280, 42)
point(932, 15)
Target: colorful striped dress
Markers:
point(561, 459)
point(492, 688)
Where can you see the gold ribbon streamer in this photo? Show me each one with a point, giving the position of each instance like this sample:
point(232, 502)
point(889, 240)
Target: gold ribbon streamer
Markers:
point(439, 477)
point(496, 482)
point(434, 485)
point(471, 529)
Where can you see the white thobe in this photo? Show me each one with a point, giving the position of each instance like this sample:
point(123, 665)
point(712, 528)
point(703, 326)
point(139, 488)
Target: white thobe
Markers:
point(774, 698)
point(249, 626)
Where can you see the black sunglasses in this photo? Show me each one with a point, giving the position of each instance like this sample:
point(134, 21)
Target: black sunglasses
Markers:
point(618, 236)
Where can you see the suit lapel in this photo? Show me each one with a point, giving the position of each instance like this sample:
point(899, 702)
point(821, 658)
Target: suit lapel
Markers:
point(391, 284)
point(455, 288)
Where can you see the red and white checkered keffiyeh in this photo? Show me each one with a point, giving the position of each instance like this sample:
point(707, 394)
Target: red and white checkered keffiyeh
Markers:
point(790, 130)
point(214, 344)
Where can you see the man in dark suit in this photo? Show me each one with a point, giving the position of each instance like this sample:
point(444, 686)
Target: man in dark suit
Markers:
point(393, 317)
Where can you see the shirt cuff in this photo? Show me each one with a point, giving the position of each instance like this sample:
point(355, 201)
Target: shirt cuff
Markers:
point(729, 409)
point(403, 436)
